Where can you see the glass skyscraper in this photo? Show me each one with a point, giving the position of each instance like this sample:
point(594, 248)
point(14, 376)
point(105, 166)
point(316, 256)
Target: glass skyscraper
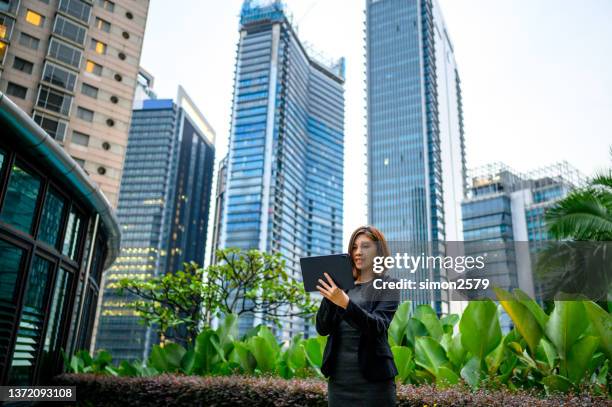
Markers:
point(286, 149)
point(163, 211)
point(415, 138)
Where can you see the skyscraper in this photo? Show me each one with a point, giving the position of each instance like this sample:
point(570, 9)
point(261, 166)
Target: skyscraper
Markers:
point(163, 211)
point(286, 148)
point(72, 65)
point(415, 138)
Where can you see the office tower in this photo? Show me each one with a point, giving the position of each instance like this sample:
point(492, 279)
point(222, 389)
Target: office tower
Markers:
point(285, 161)
point(219, 197)
point(163, 211)
point(57, 234)
point(72, 66)
point(503, 207)
point(415, 139)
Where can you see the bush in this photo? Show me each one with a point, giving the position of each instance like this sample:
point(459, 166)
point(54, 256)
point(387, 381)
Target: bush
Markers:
point(218, 391)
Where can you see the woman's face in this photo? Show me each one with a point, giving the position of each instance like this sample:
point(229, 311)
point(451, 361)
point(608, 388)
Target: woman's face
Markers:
point(363, 253)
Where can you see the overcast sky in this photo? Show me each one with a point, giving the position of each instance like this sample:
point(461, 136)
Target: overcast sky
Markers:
point(536, 75)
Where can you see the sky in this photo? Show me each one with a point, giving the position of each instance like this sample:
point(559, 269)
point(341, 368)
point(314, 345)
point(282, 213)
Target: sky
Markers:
point(536, 76)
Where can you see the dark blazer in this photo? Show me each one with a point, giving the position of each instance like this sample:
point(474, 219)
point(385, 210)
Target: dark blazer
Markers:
point(375, 357)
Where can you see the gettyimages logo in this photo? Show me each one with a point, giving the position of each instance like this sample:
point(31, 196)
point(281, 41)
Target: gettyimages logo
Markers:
point(411, 263)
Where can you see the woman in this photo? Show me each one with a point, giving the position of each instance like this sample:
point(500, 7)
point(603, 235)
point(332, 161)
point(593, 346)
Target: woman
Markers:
point(357, 357)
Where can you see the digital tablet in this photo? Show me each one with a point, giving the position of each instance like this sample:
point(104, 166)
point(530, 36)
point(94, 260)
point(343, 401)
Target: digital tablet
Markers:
point(338, 266)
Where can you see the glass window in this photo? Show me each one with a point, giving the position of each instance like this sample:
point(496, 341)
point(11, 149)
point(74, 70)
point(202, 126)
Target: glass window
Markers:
point(69, 30)
point(51, 222)
point(76, 8)
point(34, 18)
point(89, 90)
point(65, 53)
point(102, 25)
point(16, 90)
point(28, 41)
point(54, 127)
point(3, 48)
point(85, 114)
point(98, 46)
point(20, 201)
point(80, 138)
point(72, 234)
point(58, 303)
point(23, 65)
point(59, 76)
point(93, 68)
point(54, 100)
point(107, 5)
point(10, 261)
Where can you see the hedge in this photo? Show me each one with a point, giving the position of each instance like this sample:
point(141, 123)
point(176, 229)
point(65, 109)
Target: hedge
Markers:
point(217, 391)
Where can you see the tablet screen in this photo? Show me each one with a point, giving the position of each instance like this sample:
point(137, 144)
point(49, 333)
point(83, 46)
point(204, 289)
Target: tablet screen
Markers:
point(338, 266)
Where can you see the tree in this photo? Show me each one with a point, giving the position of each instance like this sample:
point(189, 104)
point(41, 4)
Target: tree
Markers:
point(586, 213)
point(178, 304)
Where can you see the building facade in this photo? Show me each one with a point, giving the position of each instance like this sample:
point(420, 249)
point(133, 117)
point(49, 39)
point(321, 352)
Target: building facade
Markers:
point(72, 65)
point(57, 234)
point(284, 190)
point(415, 140)
point(163, 212)
point(503, 215)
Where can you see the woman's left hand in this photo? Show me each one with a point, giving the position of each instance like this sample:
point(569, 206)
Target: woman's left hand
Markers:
point(332, 292)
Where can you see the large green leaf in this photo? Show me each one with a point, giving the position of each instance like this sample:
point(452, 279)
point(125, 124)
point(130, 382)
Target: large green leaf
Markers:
point(479, 326)
point(456, 352)
point(446, 377)
point(556, 383)
point(546, 353)
point(403, 358)
point(397, 327)
point(241, 355)
point(448, 322)
point(266, 333)
point(168, 358)
point(537, 311)
point(263, 352)
point(566, 323)
point(429, 318)
point(579, 356)
point(471, 372)
point(429, 354)
point(602, 324)
point(414, 329)
point(208, 351)
point(524, 321)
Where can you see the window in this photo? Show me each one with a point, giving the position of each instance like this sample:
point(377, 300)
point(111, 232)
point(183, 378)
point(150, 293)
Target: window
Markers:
point(28, 41)
point(23, 65)
point(34, 18)
point(93, 68)
point(10, 264)
point(107, 5)
point(54, 127)
point(85, 114)
point(89, 90)
point(98, 46)
point(59, 76)
point(80, 138)
point(6, 26)
point(73, 230)
point(65, 53)
point(76, 8)
point(54, 100)
point(2, 52)
point(69, 30)
point(51, 218)
point(20, 201)
point(102, 25)
point(16, 90)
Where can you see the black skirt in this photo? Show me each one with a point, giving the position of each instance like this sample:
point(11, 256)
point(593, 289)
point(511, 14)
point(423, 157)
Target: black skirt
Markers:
point(347, 386)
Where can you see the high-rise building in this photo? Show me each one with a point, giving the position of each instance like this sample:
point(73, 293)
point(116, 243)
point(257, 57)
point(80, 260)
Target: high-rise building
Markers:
point(503, 215)
point(163, 211)
point(219, 197)
point(415, 138)
point(72, 65)
point(286, 147)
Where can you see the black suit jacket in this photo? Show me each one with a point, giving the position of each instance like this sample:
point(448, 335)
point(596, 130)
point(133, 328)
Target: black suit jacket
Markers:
point(374, 355)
